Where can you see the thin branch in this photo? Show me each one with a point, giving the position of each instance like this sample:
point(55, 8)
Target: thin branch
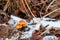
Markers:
point(29, 9)
point(42, 9)
point(42, 33)
point(7, 5)
point(24, 7)
point(38, 4)
point(44, 17)
point(51, 12)
point(50, 5)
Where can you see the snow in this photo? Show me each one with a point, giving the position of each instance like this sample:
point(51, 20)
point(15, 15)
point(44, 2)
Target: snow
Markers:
point(51, 24)
point(15, 18)
point(27, 34)
point(55, 24)
point(50, 38)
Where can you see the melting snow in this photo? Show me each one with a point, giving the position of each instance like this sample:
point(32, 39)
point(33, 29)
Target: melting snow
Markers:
point(55, 24)
point(27, 34)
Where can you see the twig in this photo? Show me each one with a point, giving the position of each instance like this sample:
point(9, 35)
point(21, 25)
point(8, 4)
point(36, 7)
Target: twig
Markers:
point(29, 9)
point(39, 3)
point(24, 7)
point(44, 17)
point(7, 5)
point(50, 5)
point(51, 12)
point(42, 33)
point(42, 9)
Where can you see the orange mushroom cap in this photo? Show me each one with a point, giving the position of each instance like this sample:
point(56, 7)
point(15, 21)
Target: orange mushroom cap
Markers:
point(21, 24)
